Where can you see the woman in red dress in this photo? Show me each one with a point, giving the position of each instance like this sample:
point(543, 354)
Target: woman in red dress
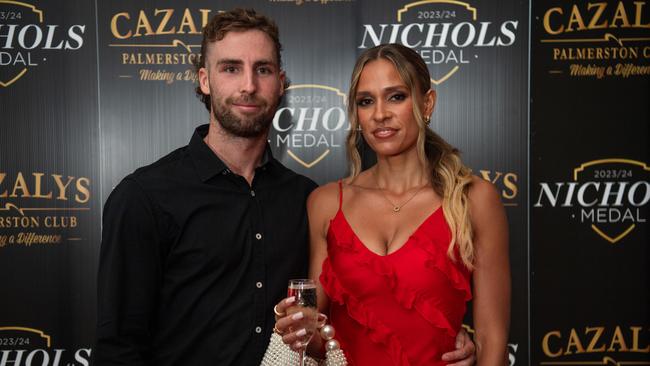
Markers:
point(401, 247)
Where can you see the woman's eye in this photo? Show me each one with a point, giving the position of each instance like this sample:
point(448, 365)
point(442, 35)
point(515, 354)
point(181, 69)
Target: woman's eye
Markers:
point(364, 102)
point(398, 97)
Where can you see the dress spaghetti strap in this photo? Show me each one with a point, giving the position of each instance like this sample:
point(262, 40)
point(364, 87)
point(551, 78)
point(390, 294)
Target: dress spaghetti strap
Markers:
point(340, 194)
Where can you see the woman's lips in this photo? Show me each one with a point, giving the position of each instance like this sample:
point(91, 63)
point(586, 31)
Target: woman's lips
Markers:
point(384, 132)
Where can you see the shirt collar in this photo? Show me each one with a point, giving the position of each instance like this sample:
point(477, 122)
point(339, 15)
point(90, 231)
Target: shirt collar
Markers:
point(207, 163)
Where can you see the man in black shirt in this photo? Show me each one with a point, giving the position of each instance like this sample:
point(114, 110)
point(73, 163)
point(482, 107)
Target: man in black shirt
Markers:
point(198, 247)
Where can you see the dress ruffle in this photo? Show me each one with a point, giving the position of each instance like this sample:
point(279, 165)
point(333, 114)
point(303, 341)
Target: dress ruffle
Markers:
point(376, 330)
point(425, 304)
point(437, 259)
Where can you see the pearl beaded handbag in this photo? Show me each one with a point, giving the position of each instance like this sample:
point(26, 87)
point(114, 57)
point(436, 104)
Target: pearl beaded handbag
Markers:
point(279, 354)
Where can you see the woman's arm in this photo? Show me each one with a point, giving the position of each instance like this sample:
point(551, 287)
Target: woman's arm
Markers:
point(491, 276)
point(322, 205)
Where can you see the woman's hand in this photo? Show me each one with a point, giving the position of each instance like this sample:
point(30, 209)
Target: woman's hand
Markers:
point(465, 353)
point(296, 324)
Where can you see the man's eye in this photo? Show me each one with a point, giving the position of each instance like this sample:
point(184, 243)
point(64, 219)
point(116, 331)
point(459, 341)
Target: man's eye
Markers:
point(264, 70)
point(230, 69)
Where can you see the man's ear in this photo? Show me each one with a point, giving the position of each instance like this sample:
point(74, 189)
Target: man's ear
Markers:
point(204, 80)
point(283, 80)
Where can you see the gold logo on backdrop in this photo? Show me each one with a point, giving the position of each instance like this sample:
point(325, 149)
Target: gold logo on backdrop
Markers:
point(29, 344)
point(616, 236)
point(406, 7)
point(7, 80)
point(472, 10)
point(158, 44)
point(616, 347)
point(610, 195)
point(36, 209)
point(446, 33)
point(599, 39)
point(506, 183)
point(607, 361)
point(26, 39)
point(312, 124)
point(39, 333)
point(308, 165)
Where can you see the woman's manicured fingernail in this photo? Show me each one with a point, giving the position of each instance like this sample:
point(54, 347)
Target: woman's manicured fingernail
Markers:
point(290, 300)
point(301, 332)
point(297, 316)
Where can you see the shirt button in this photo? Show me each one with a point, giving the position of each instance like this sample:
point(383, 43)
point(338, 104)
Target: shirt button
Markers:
point(259, 285)
point(252, 193)
point(258, 330)
point(258, 236)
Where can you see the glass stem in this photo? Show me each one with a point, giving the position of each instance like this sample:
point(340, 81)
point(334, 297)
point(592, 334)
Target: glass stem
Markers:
point(301, 353)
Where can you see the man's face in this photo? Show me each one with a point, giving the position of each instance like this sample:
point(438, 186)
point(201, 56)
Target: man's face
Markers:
point(244, 81)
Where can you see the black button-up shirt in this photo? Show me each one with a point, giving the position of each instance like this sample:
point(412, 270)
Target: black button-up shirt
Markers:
point(193, 258)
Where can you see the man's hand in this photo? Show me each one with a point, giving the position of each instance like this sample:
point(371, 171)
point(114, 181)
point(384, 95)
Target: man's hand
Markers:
point(465, 353)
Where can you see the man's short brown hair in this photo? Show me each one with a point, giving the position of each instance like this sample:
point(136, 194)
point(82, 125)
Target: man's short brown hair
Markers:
point(237, 20)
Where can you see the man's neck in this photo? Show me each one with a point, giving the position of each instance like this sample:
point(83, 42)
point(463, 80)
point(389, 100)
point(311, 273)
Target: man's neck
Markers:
point(242, 155)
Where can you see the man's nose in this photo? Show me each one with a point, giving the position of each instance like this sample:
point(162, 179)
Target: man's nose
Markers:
point(249, 82)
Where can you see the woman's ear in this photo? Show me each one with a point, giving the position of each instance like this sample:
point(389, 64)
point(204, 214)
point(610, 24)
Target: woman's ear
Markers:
point(429, 102)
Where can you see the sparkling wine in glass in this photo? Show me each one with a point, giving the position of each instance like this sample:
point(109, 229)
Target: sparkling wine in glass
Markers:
point(305, 292)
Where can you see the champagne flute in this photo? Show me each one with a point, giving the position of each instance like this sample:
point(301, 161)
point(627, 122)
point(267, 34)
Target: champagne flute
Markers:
point(305, 292)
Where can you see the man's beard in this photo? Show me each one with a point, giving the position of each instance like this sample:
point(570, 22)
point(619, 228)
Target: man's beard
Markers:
point(246, 127)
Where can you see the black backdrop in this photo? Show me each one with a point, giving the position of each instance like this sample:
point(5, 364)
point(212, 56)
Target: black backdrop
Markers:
point(92, 90)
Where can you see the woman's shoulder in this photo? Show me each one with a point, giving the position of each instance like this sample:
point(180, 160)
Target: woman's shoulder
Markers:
point(483, 197)
point(325, 192)
point(333, 189)
point(323, 202)
point(481, 190)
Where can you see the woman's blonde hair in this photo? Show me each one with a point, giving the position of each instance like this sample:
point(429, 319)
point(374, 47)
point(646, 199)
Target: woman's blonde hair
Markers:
point(449, 177)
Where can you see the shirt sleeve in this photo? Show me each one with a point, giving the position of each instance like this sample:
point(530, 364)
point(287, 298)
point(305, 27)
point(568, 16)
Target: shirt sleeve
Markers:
point(128, 278)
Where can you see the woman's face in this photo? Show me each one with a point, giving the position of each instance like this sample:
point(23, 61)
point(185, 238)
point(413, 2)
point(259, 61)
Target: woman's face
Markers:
point(385, 109)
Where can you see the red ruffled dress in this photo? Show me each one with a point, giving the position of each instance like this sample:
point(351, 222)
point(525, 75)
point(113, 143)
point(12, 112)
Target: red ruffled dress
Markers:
point(404, 308)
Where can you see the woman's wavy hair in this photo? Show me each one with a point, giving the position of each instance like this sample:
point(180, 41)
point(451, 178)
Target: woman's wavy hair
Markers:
point(449, 177)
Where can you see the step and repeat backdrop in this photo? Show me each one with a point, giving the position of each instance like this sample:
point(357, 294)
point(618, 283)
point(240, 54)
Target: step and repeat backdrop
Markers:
point(589, 182)
point(547, 100)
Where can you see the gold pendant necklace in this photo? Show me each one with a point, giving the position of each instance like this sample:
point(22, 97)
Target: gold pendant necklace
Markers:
point(397, 208)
